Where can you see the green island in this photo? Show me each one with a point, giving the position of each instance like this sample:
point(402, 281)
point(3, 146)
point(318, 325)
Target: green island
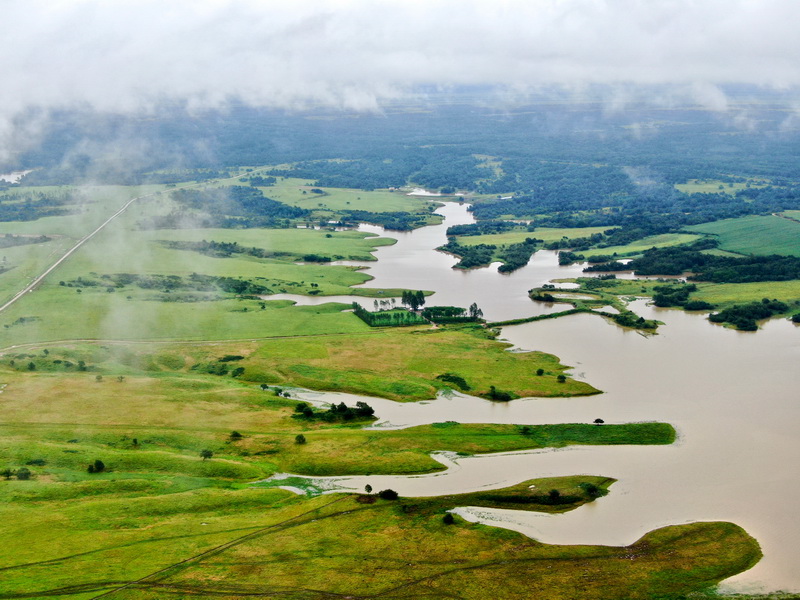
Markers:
point(152, 384)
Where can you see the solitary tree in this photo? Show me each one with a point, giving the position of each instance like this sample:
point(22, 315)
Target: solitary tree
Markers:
point(206, 454)
point(448, 519)
point(475, 312)
point(299, 439)
point(368, 488)
point(98, 466)
point(561, 378)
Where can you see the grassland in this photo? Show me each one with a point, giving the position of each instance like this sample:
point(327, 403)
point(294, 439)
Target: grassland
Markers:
point(654, 241)
point(726, 294)
point(291, 191)
point(221, 543)
point(160, 519)
point(548, 234)
point(721, 295)
point(398, 363)
point(759, 235)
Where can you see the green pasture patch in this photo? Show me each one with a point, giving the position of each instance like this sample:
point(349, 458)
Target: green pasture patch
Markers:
point(548, 234)
point(725, 294)
point(338, 245)
point(342, 546)
point(759, 235)
point(63, 314)
point(654, 241)
point(372, 364)
point(406, 451)
point(290, 191)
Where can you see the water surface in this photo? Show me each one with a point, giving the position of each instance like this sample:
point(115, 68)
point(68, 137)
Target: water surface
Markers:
point(732, 396)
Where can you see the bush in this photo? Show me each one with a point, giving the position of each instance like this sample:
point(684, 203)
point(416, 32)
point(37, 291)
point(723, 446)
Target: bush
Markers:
point(97, 466)
point(300, 439)
point(448, 519)
point(388, 495)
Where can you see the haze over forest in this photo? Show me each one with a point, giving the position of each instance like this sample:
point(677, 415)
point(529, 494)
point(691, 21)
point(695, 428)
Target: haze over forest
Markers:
point(143, 57)
point(369, 298)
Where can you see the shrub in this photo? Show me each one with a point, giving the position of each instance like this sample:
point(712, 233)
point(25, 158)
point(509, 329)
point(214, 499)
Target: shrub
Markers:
point(388, 495)
point(98, 466)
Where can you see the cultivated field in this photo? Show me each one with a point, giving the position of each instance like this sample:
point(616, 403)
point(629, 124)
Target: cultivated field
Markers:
point(760, 235)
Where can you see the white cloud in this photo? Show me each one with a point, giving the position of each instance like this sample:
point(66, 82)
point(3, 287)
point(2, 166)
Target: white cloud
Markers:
point(125, 55)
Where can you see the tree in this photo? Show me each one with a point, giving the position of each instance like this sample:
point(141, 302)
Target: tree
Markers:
point(388, 495)
point(475, 312)
point(553, 495)
point(23, 473)
point(235, 435)
point(540, 372)
point(299, 439)
point(31, 366)
point(448, 519)
point(98, 466)
point(561, 378)
point(368, 488)
point(598, 421)
point(206, 454)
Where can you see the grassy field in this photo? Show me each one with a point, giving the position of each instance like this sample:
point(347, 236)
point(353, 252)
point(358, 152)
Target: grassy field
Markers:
point(724, 294)
point(547, 234)
point(159, 507)
point(396, 363)
point(721, 295)
point(654, 241)
point(291, 191)
point(759, 235)
point(221, 543)
point(58, 312)
point(159, 518)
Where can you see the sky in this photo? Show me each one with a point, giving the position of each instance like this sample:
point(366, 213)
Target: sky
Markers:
point(137, 56)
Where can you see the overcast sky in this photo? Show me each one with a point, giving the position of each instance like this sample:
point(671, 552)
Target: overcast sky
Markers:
point(123, 55)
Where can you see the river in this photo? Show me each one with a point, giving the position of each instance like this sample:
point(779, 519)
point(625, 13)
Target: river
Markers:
point(732, 396)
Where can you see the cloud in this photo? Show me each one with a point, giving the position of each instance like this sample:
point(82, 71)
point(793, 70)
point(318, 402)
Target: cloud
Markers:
point(137, 55)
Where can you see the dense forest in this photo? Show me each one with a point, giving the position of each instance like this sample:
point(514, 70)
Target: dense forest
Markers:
point(708, 267)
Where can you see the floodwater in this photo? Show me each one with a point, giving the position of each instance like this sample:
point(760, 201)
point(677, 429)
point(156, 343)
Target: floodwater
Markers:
point(732, 396)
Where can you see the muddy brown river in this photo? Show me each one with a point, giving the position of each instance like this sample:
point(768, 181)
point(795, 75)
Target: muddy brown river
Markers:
point(732, 396)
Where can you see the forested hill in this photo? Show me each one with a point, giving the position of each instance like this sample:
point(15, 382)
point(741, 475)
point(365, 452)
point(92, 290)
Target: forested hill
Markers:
point(525, 150)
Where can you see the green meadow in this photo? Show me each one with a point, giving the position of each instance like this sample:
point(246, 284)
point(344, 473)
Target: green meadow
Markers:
point(139, 422)
point(298, 192)
point(160, 518)
point(759, 235)
point(548, 234)
point(663, 240)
